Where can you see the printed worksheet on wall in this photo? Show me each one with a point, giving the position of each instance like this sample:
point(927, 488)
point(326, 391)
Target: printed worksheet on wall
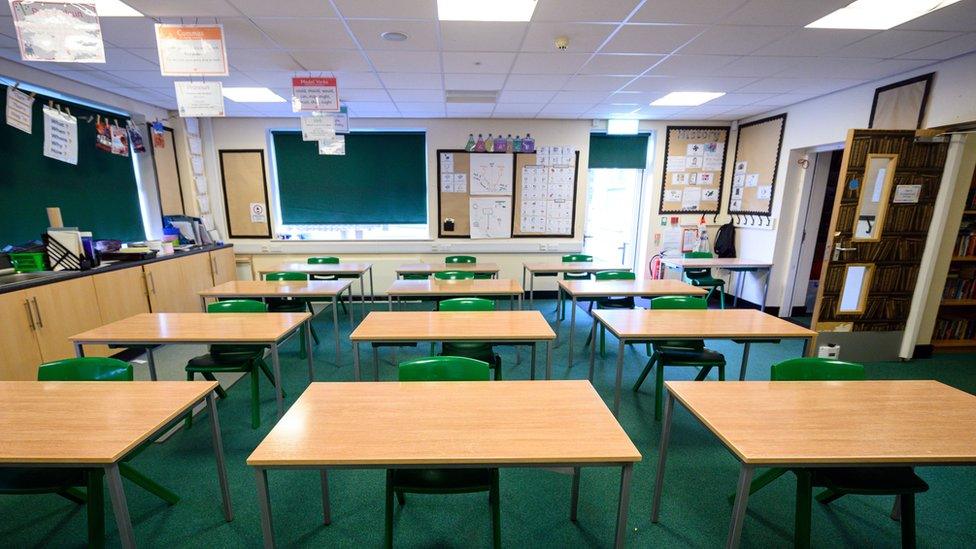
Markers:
point(546, 202)
point(491, 174)
point(491, 217)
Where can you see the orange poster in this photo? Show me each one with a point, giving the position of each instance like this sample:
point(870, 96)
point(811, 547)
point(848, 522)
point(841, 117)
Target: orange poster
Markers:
point(191, 50)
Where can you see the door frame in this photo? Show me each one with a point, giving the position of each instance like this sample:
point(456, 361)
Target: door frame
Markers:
point(639, 214)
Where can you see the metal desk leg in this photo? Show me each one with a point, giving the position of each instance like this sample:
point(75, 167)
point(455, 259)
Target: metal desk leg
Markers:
point(218, 445)
point(276, 365)
point(326, 505)
point(548, 361)
point(520, 301)
point(389, 300)
point(79, 350)
point(662, 457)
point(572, 328)
point(619, 538)
point(532, 290)
point(806, 346)
point(376, 363)
point(592, 347)
point(362, 292)
point(737, 291)
point(574, 497)
point(352, 321)
point(765, 289)
point(264, 501)
point(372, 292)
point(620, 373)
point(151, 363)
point(523, 278)
point(308, 349)
point(532, 363)
point(355, 360)
point(335, 324)
point(119, 505)
point(559, 318)
point(745, 360)
point(739, 508)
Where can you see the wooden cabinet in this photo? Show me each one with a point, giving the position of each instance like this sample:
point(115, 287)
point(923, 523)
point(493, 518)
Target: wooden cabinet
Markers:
point(173, 284)
point(120, 294)
point(19, 353)
point(62, 310)
point(224, 265)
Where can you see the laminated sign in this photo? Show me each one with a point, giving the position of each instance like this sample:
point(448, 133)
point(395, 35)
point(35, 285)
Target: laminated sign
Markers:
point(191, 50)
point(314, 94)
point(67, 32)
point(60, 136)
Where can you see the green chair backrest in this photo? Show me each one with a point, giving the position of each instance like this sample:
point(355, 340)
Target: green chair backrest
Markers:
point(444, 368)
point(816, 369)
point(698, 255)
point(416, 276)
point(85, 369)
point(285, 276)
point(698, 273)
point(467, 304)
point(615, 275)
point(323, 260)
point(679, 302)
point(460, 259)
point(237, 306)
point(454, 275)
point(577, 258)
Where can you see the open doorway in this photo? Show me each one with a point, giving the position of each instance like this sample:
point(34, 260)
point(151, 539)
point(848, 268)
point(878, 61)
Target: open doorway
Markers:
point(612, 215)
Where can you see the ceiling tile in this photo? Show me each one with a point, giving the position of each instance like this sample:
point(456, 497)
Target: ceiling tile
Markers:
point(658, 112)
point(652, 84)
point(734, 40)
point(405, 61)
point(481, 35)
point(300, 33)
point(421, 35)
point(422, 109)
point(893, 43)
point(373, 109)
point(517, 109)
point(474, 81)
point(363, 94)
point(782, 12)
point(585, 10)
point(549, 63)
point(685, 11)
point(291, 8)
point(579, 97)
point(583, 37)
point(692, 65)
point(569, 110)
point(128, 32)
point(813, 42)
point(242, 33)
point(739, 99)
point(620, 64)
point(705, 111)
point(535, 82)
point(952, 47)
point(417, 96)
point(411, 81)
point(759, 66)
point(388, 9)
point(596, 83)
point(509, 96)
point(263, 60)
point(957, 17)
point(828, 67)
point(651, 38)
point(358, 80)
point(478, 62)
point(469, 109)
point(799, 85)
point(889, 67)
point(122, 60)
point(710, 83)
point(184, 8)
point(334, 60)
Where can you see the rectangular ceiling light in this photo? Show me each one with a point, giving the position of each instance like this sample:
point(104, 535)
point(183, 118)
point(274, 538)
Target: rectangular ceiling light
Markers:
point(252, 95)
point(115, 8)
point(489, 10)
point(878, 14)
point(622, 126)
point(686, 99)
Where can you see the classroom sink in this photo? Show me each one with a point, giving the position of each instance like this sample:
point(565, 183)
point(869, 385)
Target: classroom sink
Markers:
point(24, 277)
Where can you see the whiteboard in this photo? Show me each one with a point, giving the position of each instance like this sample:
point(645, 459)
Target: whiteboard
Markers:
point(491, 217)
point(491, 174)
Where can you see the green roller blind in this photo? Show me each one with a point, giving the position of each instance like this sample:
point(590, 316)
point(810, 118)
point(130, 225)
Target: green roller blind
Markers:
point(99, 194)
point(618, 151)
point(381, 179)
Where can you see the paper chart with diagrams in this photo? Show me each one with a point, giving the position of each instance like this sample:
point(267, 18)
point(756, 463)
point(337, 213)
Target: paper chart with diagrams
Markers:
point(546, 201)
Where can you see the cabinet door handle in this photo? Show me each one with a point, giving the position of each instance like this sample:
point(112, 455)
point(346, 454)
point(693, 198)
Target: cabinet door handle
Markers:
point(216, 269)
point(30, 314)
point(40, 323)
point(152, 283)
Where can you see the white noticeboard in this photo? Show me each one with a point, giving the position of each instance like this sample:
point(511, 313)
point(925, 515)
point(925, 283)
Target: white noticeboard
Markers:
point(60, 136)
point(191, 50)
point(314, 94)
point(492, 174)
point(20, 110)
point(67, 32)
point(199, 99)
point(491, 217)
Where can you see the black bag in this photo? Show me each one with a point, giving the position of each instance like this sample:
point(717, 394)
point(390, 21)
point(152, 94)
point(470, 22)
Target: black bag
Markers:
point(725, 241)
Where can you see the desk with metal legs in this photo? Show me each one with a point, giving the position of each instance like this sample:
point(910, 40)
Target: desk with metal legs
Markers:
point(341, 270)
point(433, 288)
point(530, 270)
point(737, 265)
point(431, 268)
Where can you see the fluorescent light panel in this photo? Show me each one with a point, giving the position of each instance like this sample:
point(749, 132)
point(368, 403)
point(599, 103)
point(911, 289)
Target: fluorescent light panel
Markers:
point(485, 10)
point(878, 14)
point(252, 95)
point(686, 99)
point(115, 8)
point(622, 126)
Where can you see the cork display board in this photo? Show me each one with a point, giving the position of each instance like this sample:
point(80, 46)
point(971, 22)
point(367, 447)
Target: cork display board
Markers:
point(756, 161)
point(245, 193)
point(474, 194)
point(167, 170)
point(545, 196)
point(694, 169)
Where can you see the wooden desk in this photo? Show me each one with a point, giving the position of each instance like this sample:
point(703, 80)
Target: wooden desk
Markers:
point(96, 425)
point(591, 289)
point(431, 268)
point(492, 424)
point(299, 289)
point(497, 327)
point(534, 269)
point(359, 270)
point(737, 265)
point(835, 423)
point(741, 325)
point(434, 288)
point(150, 329)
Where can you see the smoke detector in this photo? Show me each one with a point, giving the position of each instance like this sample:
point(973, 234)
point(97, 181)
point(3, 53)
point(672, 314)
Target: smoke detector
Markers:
point(562, 42)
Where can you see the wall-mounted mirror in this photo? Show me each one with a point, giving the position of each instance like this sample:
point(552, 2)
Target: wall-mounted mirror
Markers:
point(854, 291)
point(875, 188)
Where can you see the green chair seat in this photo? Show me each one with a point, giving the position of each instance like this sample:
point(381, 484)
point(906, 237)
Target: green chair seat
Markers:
point(442, 480)
point(706, 281)
point(209, 363)
point(454, 275)
point(691, 357)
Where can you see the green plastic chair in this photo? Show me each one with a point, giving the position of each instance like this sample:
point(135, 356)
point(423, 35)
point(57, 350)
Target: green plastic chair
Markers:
point(329, 260)
point(470, 259)
point(571, 258)
point(679, 352)
point(292, 305)
point(476, 350)
point(454, 275)
point(610, 303)
point(443, 481)
point(233, 358)
point(901, 482)
point(415, 276)
point(703, 277)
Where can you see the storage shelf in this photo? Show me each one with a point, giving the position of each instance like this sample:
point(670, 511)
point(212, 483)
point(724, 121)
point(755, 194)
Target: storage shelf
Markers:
point(958, 302)
point(964, 258)
point(954, 343)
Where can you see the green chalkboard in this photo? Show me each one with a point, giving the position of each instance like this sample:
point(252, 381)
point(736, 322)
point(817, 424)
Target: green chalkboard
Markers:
point(381, 179)
point(99, 194)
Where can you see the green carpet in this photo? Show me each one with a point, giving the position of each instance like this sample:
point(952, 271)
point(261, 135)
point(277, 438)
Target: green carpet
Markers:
point(535, 503)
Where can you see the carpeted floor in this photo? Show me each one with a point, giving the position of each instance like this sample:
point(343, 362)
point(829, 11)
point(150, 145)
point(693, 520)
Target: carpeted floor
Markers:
point(535, 503)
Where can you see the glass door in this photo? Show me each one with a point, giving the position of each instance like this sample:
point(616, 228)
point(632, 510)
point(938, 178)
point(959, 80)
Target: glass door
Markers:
point(612, 206)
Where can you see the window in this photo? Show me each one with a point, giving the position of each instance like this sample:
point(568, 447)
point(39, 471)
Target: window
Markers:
point(376, 191)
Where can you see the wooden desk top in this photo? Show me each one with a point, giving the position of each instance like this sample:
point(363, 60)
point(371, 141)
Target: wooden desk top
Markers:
point(87, 422)
point(279, 288)
point(452, 326)
point(441, 423)
point(716, 262)
point(586, 267)
point(433, 286)
point(195, 328)
point(317, 268)
point(841, 422)
point(710, 323)
point(613, 288)
point(430, 268)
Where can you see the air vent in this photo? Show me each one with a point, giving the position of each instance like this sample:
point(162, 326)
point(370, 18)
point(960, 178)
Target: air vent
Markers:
point(472, 96)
